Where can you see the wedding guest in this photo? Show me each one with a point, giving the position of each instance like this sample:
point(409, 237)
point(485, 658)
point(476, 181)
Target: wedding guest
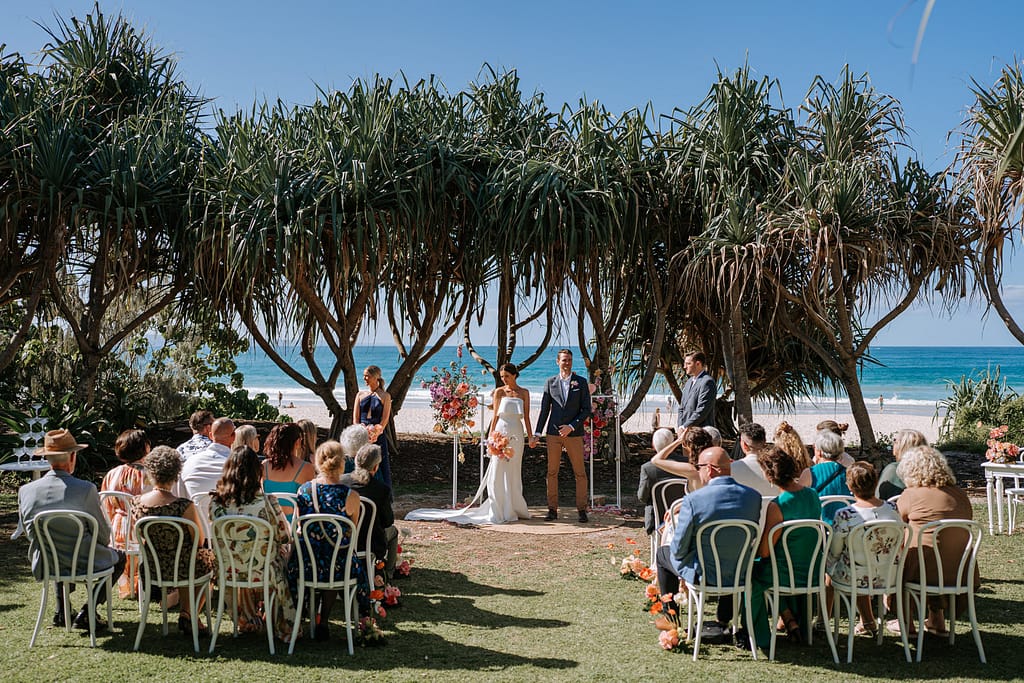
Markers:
point(827, 477)
point(932, 495)
point(200, 422)
point(131, 447)
point(789, 440)
point(309, 436)
point(384, 535)
point(861, 478)
point(691, 441)
point(716, 436)
point(889, 482)
point(747, 470)
point(58, 489)
point(203, 469)
point(284, 470)
point(651, 474)
point(325, 494)
point(794, 502)
point(162, 468)
point(839, 429)
point(246, 435)
point(351, 440)
point(239, 492)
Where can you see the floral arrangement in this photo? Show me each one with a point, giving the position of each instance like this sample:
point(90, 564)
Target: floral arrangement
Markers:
point(452, 397)
point(369, 633)
point(1001, 451)
point(670, 605)
point(602, 415)
point(499, 447)
point(669, 640)
point(404, 566)
point(631, 566)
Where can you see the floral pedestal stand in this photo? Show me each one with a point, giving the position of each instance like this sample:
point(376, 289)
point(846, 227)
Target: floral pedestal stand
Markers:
point(457, 450)
point(618, 452)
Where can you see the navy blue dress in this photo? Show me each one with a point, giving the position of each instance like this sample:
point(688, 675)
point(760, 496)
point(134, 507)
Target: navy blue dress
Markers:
point(371, 412)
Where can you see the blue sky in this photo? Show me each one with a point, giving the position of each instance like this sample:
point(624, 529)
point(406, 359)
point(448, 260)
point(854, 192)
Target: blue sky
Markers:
point(623, 54)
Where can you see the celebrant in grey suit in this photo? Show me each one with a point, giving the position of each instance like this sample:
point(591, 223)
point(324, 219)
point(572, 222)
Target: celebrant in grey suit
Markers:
point(697, 403)
point(564, 408)
point(60, 490)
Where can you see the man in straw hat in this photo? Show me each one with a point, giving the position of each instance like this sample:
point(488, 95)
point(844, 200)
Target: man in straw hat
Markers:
point(60, 490)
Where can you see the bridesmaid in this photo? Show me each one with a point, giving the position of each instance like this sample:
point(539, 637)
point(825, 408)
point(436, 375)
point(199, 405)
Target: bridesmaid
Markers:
point(374, 410)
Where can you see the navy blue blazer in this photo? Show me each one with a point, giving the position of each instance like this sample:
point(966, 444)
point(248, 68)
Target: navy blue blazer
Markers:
point(573, 412)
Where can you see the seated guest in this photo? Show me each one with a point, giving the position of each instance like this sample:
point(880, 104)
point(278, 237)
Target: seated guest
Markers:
point(284, 470)
point(932, 495)
point(203, 469)
point(650, 475)
point(309, 436)
point(58, 489)
point(351, 440)
point(788, 440)
point(861, 479)
point(827, 477)
point(163, 465)
point(716, 436)
point(721, 498)
point(325, 494)
point(691, 442)
point(239, 492)
point(746, 470)
point(246, 435)
point(200, 422)
point(889, 482)
point(839, 429)
point(384, 535)
point(794, 502)
point(131, 447)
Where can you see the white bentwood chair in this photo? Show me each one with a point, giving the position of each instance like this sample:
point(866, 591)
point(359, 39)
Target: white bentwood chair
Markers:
point(123, 500)
point(970, 533)
point(244, 548)
point(741, 538)
point(876, 550)
point(326, 526)
point(289, 503)
point(202, 503)
point(663, 494)
point(76, 527)
point(186, 545)
point(367, 520)
point(789, 582)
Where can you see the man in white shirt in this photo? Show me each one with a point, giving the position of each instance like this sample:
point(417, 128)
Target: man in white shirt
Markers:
point(746, 470)
point(202, 470)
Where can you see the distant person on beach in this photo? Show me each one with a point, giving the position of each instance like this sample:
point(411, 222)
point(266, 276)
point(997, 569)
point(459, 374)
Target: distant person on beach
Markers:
point(291, 404)
point(280, 398)
point(881, 403)
point(200, 423)
point(656, 420)
point(697, 403)
point(374, 412)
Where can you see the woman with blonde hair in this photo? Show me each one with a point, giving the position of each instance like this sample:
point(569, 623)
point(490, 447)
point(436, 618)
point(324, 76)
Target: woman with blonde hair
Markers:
point(246, 435)
point(325, 494)
point(374, 412)
point(932, 495)
point(788, 440)
point(889, 482)
point(308, 441)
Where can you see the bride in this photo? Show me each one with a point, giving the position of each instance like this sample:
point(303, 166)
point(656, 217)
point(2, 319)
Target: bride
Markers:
point(503, 482)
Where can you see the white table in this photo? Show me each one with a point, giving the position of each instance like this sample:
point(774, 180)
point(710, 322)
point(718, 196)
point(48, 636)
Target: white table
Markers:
point(995, 474)
point(36, 467)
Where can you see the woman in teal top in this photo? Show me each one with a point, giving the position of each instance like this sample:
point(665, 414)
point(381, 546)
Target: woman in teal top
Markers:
point(795, 502)
point(284, 469)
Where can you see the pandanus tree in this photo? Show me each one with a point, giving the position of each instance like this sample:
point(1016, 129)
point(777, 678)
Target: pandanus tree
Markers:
point(991, 171)
point(115, 147)
point(860, 235)
point(735, 144)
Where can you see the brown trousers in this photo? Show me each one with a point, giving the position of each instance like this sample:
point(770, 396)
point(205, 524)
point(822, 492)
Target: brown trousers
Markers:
point(573, 446)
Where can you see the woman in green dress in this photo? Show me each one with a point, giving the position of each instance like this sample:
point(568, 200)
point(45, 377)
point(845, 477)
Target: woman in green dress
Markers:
point(794, 502)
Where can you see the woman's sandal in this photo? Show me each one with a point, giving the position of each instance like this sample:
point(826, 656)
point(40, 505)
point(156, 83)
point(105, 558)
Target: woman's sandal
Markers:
point(793, 631)
point(185, 626)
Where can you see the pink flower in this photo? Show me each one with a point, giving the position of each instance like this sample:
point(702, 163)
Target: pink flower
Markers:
point(669, 639)
point(405, 567)
point(391, 595)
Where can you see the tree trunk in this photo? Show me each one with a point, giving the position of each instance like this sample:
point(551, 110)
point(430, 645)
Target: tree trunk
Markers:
point(740, 380)
point(859, 408)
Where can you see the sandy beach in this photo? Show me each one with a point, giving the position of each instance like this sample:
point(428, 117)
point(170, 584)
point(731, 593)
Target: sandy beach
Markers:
point(419, 420)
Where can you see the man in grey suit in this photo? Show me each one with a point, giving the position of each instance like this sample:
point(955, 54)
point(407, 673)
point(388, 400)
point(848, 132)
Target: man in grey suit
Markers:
point(697, 403)
point(564, 407)
point(60, 490)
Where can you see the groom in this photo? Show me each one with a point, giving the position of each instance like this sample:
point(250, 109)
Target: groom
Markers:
point(566, 401)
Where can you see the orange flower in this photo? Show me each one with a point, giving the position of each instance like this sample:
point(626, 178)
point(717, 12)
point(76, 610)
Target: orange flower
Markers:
point(473, 402)
point(376, 595)
point(610, 546)
point(646, 574)
point(655, 608)
point(651, 591)
point(630, 541)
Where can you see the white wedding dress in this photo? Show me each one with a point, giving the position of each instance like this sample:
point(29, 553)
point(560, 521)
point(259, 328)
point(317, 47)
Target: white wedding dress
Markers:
point(503, 483)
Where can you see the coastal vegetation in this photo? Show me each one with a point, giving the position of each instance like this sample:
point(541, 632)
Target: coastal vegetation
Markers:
point(143, 240)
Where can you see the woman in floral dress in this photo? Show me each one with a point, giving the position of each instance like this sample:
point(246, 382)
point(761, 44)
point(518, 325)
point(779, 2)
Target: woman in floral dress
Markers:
point(131, 447)
point(326, 495)
point(240, 492)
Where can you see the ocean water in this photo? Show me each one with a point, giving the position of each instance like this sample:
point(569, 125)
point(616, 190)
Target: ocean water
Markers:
point(910, 378)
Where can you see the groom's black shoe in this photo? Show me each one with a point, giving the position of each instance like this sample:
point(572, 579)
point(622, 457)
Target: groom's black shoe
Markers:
point(551, 516)
point(583, 516)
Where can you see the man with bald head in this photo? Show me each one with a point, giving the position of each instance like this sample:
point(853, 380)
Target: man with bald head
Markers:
point(720, 498)
point(202, 470)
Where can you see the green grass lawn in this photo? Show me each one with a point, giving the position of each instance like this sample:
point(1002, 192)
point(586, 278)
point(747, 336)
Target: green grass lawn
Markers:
point(519, 608)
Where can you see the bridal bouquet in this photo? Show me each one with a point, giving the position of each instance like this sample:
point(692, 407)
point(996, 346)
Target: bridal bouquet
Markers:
point(1001, 451)
point(499, 447)
point(452, 398)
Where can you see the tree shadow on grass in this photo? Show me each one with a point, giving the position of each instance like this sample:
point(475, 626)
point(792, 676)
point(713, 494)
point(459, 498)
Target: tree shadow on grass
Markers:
point(439, 582)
